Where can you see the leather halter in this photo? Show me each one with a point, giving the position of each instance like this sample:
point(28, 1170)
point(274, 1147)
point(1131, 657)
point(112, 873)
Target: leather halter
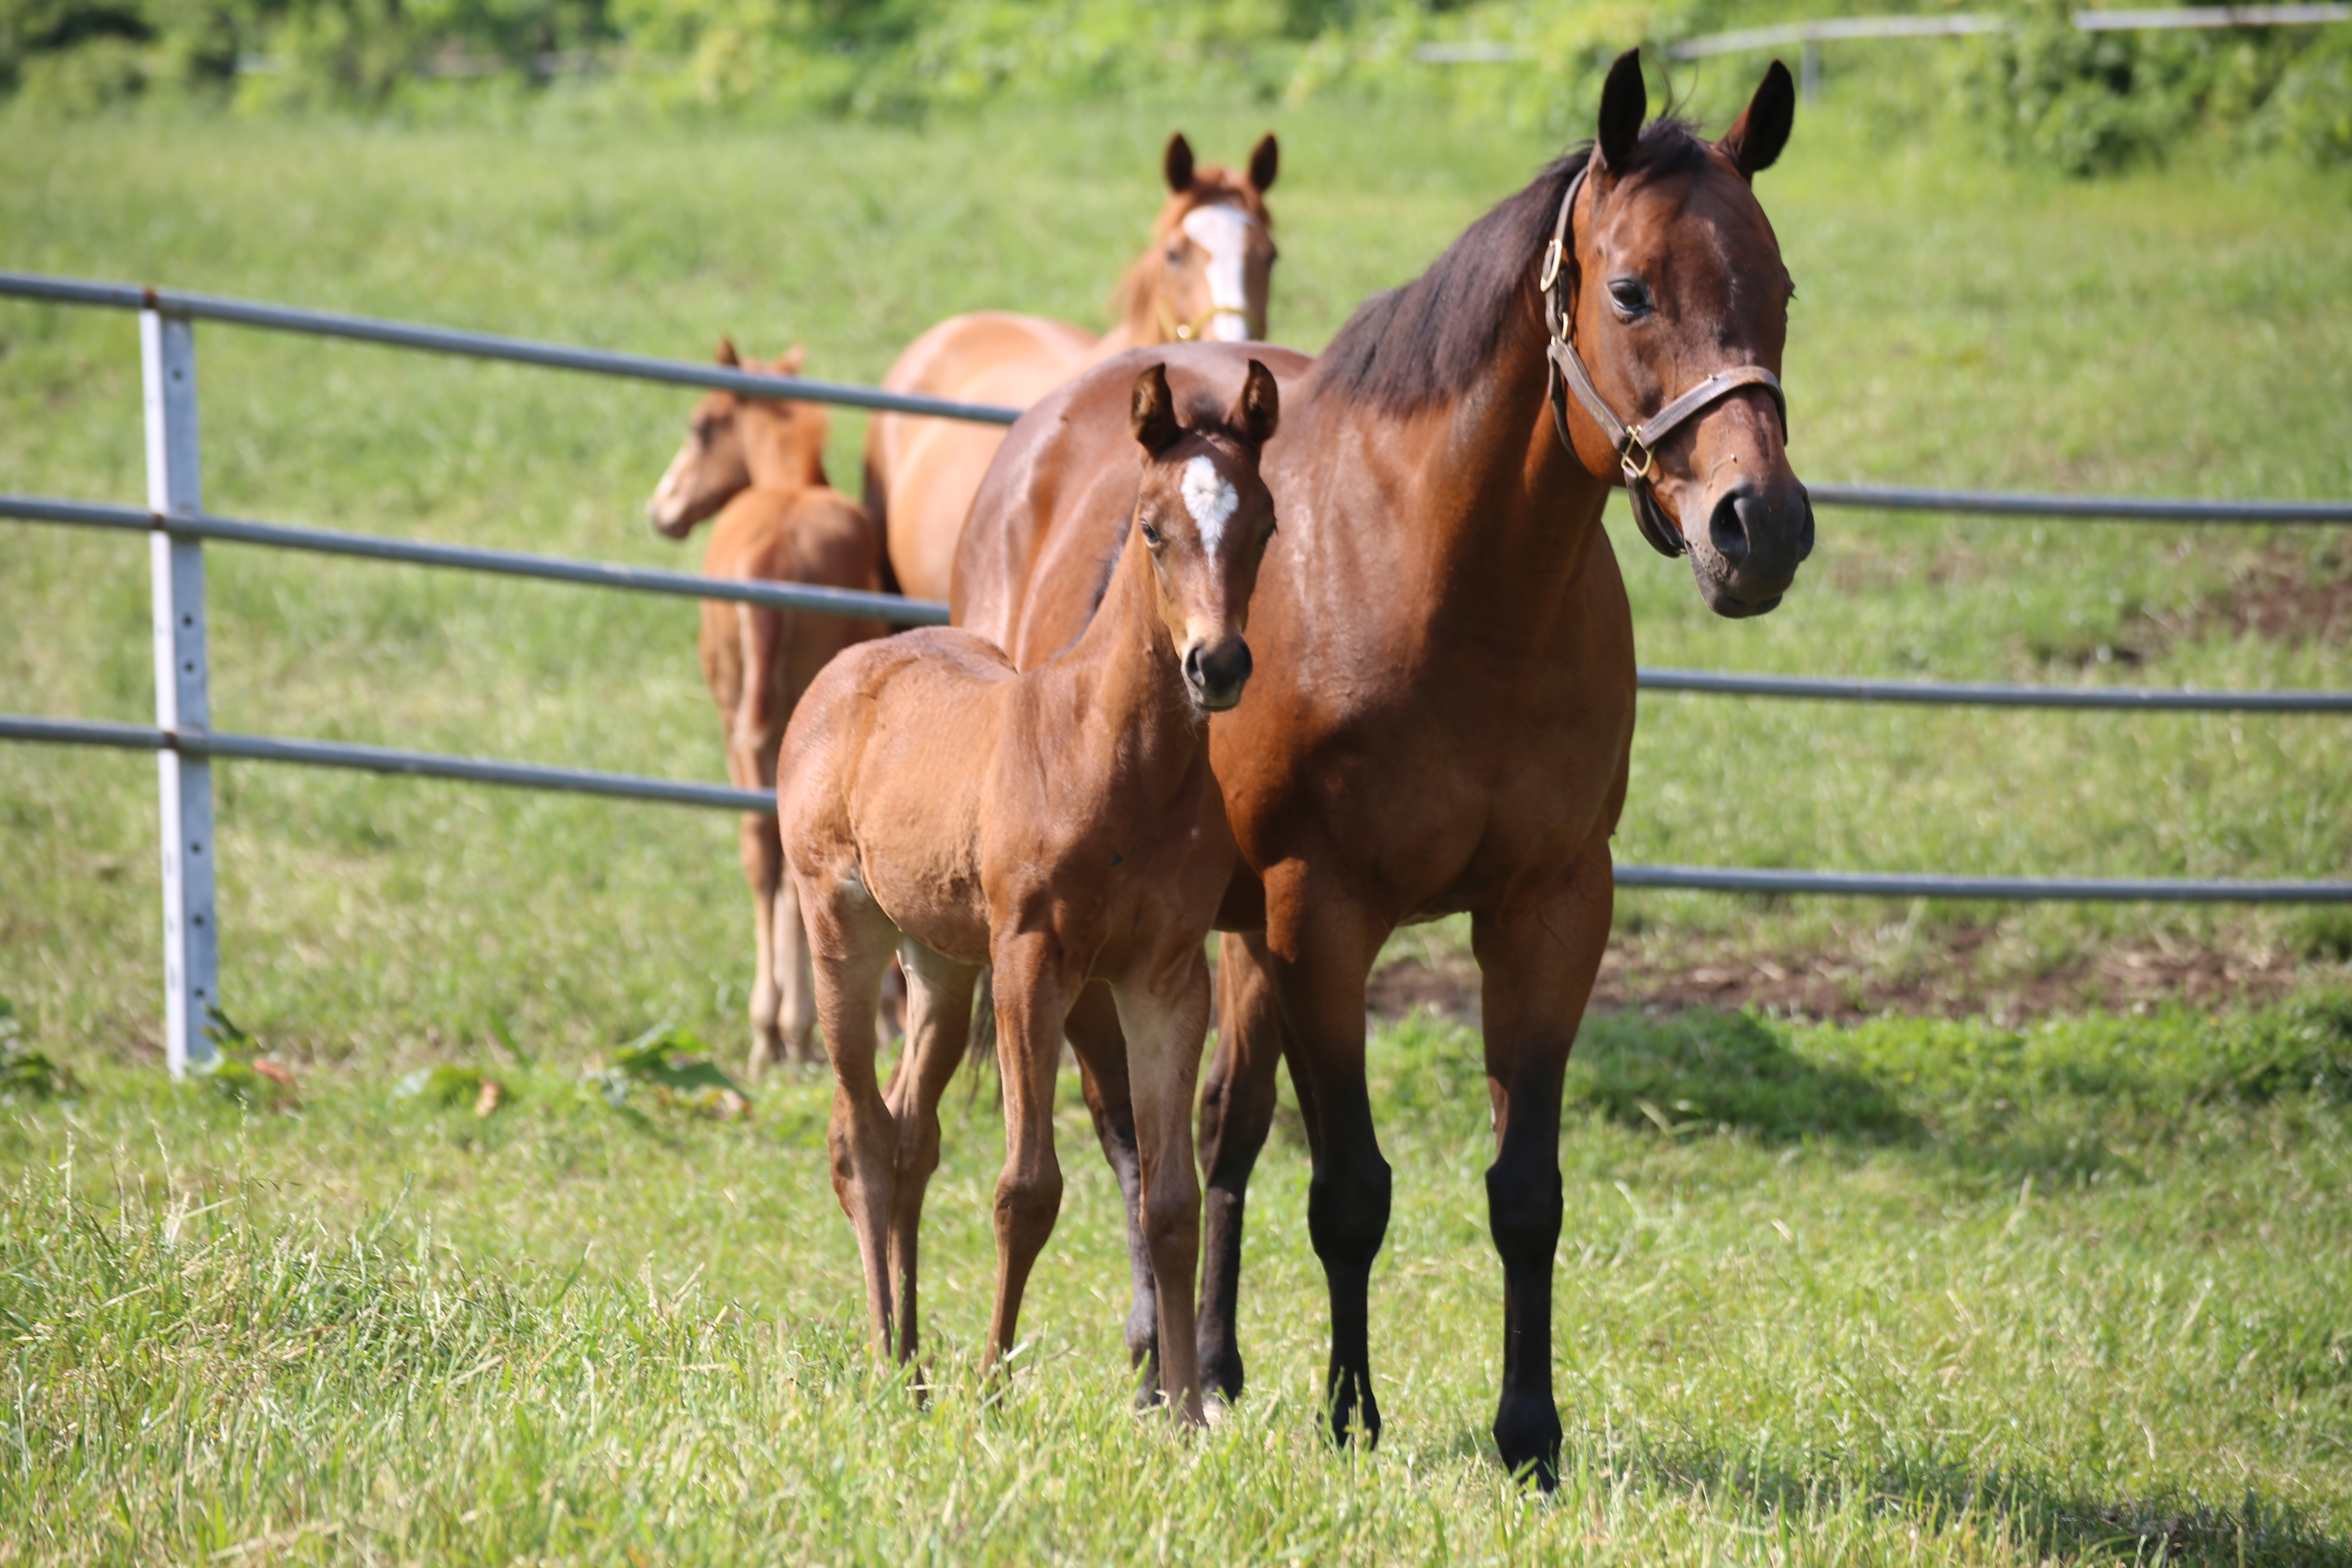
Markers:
point(1636, 445)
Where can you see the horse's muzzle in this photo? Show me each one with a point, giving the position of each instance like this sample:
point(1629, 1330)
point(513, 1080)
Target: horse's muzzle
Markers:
point(1215, 673)
point(1756, 537)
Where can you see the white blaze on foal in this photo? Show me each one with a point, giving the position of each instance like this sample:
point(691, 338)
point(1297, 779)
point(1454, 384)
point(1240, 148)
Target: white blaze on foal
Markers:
point(1211, 497)
point(1223, 231)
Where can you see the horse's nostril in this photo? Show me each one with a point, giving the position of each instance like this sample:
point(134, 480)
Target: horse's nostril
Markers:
point(1727, 526)
point(1219, 672)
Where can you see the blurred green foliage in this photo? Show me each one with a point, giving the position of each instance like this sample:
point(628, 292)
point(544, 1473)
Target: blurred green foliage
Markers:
point(2088, 103)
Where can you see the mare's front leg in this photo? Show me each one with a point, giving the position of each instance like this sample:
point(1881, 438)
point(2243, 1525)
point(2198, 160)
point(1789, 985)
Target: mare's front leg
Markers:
point(1166, 1016)
point(851, 941)
point(1538, 952)
point(1033, 1000)
point(1236, 1113)
point(939, 1023)
point(1100, 1046)
point(1322, 943)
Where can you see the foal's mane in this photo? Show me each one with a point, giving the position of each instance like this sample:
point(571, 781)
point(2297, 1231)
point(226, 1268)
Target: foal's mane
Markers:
point(1432, 340)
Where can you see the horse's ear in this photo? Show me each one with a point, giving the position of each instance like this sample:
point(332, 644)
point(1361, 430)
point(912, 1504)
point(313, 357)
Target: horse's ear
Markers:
point(1151, 411)
point(1259, 409)
point(1756, 138)
point(1266, 161)
point(1624, 104)
point(1178, 164)
point(727, 355)
point(794, 357)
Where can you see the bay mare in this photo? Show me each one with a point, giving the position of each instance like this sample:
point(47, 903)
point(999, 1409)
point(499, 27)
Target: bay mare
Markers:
point(1204, 276)
point(1058, 825)
point(1446, 712)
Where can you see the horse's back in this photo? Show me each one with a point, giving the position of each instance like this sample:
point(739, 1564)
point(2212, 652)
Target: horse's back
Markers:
point(1033, 553)
point(920, 472)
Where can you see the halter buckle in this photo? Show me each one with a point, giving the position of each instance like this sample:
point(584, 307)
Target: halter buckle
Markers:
point(1636, 472)
point(1550, 265)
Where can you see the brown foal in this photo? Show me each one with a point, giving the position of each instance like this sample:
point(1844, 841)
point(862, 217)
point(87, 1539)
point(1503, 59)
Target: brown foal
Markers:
point(1205, 275)
point(1060, 824)
point(1446, 718)
point(784, 524)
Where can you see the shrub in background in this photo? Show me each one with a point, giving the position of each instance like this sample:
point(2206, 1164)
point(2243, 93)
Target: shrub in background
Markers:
point(2091, 102)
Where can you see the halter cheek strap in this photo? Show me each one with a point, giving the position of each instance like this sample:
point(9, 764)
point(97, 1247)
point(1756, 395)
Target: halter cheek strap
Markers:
point(1636, 445)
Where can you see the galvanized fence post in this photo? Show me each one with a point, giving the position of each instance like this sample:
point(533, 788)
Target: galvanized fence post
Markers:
point(183, 707)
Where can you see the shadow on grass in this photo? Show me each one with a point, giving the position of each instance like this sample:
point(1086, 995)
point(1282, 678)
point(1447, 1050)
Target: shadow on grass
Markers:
point(2024, 1507)
point(2050, 1520)
point(1702, 1071)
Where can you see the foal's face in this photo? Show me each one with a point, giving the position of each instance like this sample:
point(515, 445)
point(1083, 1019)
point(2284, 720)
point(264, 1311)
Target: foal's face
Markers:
point(1680, 276)
point(731, 442)
point(1217, 254)
point(708, 469)
point(1206, 516)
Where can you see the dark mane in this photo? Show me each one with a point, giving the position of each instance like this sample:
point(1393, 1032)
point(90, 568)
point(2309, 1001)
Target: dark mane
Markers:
point(1430, 341)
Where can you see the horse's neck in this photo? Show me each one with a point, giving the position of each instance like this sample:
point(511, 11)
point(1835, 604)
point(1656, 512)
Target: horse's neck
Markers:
point(782, 460)
point(1140, 731)
point(1139, 324)
point(1497, 517)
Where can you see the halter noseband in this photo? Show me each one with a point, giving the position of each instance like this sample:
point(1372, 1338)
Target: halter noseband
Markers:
point(1636, 445)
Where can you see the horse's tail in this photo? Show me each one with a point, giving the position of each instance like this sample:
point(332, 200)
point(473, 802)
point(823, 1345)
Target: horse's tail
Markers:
point(878, 511)
point(980, 1046)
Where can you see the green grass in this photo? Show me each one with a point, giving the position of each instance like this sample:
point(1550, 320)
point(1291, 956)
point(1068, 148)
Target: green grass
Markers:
point(1888, 1294)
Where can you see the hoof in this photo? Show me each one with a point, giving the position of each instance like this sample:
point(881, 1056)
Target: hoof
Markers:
point(1526, 1434)
point(1147, 1388)
point(1355, 1414)
point(1220, 1371)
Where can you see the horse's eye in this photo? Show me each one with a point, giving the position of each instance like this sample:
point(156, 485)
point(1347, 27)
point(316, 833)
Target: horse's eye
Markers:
point(1630, 295)
point(1150, 535)
point(1175, 255)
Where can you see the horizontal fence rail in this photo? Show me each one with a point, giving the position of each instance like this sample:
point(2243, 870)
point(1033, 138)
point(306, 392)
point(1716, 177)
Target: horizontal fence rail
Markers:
point(1908, 885)
point(177, 526)
point(888, 607)
point(1985, 694)
point(897, 611)
point(2111, 509)
point(40, 287)
point(630, 786)
point(380, 760)
point(485, 345)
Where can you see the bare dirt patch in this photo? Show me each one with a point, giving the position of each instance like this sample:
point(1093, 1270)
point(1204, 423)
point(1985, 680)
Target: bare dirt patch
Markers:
point(1966, 980)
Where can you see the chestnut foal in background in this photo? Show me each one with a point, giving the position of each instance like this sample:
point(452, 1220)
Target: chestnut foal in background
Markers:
point(781, 524)
point(1446, 722)
point(1204, 276)
point(1060, 824)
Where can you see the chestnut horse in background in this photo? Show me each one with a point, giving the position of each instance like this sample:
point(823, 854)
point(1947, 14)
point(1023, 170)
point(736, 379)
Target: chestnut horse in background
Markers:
point(1058, 825)
point(1445, 717)
point(1205, 275)
point(783, 524)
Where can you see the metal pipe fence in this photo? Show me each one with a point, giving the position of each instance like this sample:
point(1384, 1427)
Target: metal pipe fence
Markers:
point(185, 744)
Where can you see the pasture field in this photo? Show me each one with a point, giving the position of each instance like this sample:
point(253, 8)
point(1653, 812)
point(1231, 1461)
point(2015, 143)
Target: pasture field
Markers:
point(1956, 323)
point(1893, 1293)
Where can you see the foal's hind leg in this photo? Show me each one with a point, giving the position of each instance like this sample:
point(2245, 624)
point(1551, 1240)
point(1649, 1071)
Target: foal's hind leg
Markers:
point(796, 984)
point(938, 1021)
point(1033, 999)
point(851, 941)
point(763, 868)
point(1101, 1048)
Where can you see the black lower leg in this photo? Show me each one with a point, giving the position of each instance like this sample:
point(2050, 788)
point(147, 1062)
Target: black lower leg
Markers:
point(1523, 1204)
